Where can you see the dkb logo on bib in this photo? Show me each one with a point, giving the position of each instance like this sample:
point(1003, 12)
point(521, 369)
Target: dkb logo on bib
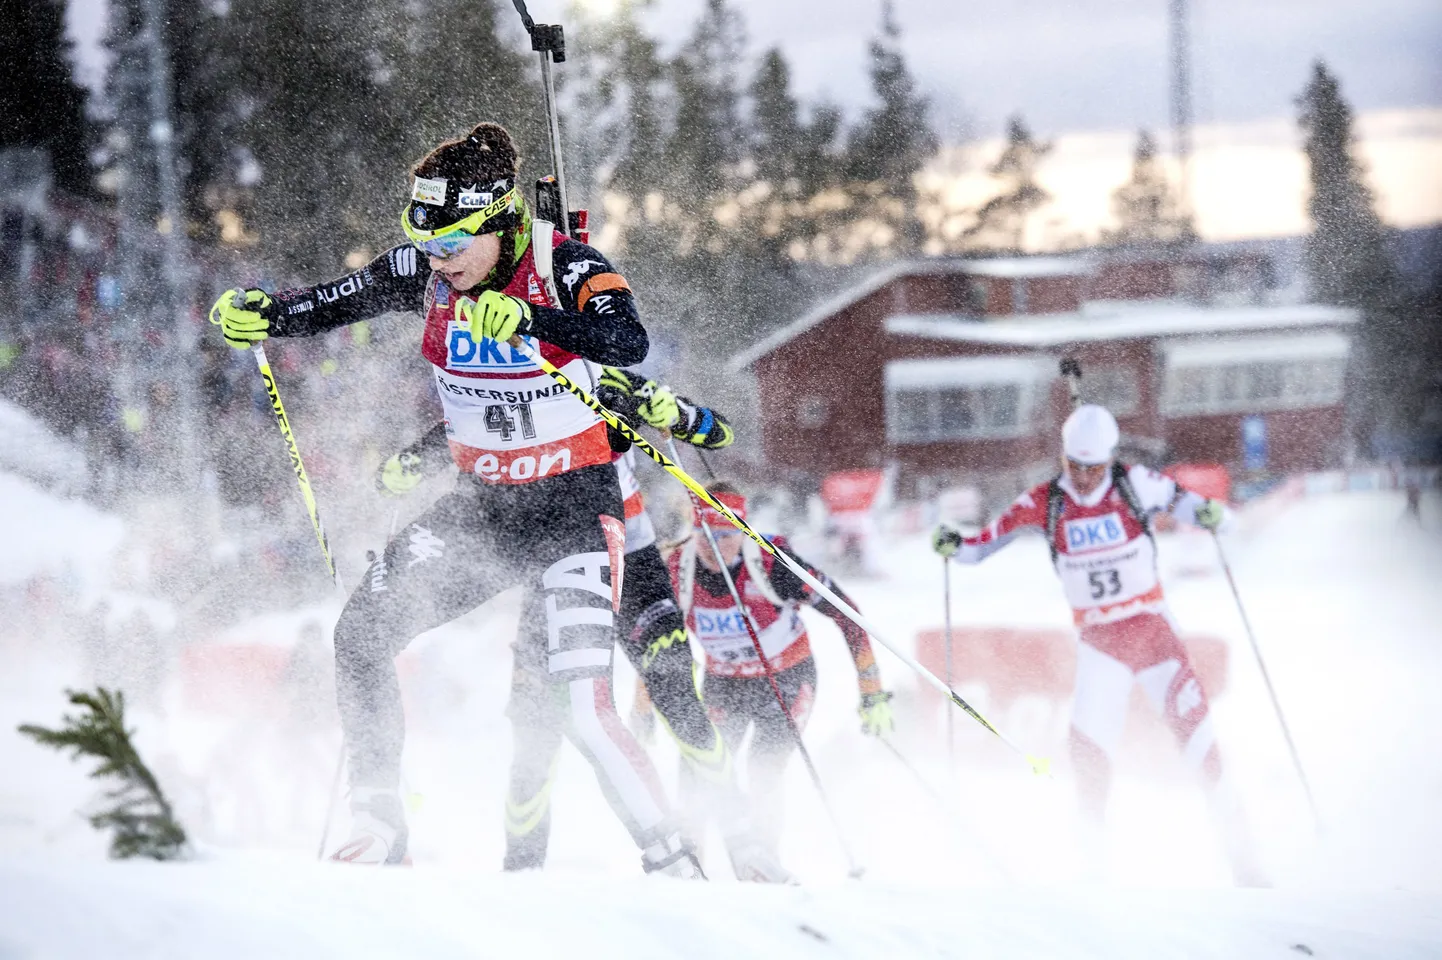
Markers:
point(1094, 533)
point(488, 356)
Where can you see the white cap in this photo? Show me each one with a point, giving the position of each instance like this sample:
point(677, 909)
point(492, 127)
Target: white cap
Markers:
point(1090, 435)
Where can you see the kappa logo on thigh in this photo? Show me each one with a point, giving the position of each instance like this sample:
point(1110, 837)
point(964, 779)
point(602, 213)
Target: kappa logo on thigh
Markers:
point(424, 546)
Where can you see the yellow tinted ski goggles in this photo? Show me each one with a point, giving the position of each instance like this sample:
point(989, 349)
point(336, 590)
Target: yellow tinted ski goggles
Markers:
point(452, 239)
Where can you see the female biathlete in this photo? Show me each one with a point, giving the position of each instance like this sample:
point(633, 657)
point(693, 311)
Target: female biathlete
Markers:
point(650, 631)
point(737, 693)
point(537, 501)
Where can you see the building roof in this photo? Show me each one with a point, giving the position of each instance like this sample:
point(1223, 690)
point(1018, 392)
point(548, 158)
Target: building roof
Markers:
point(1015, 268)
point(834, 305)
point(967, 371)
point(1132, 321)
point(1004, 267)
point(1208, 351)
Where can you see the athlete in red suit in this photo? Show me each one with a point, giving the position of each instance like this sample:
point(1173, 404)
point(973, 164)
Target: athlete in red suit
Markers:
point(1098, 517)
point(737, 692)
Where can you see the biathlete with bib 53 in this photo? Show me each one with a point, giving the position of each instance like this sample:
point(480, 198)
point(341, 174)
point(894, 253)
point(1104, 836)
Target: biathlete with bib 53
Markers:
point(536, 503)
point(1097, 517)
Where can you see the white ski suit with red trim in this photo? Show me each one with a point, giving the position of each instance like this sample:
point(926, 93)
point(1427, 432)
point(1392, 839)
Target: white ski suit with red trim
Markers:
point(1106, 559)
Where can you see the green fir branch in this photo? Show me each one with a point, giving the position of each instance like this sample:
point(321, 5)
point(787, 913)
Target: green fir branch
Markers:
point(142, 821)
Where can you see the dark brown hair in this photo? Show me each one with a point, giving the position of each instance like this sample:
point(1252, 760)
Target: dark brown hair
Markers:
point(484, 155)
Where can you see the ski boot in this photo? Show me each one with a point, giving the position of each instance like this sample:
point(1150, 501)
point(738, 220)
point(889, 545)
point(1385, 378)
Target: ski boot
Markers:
point(378, 829)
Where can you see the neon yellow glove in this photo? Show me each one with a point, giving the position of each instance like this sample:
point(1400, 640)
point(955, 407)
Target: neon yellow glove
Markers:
point(875, 711)
point(1211, 514)
point(615, 379)
point(946, 540)
point(399, 475)
point(658, 405)
point(243, 316)
point(492, 315)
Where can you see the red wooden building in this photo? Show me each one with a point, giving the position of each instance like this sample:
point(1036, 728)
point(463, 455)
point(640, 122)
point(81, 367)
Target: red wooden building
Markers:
point(949, 368)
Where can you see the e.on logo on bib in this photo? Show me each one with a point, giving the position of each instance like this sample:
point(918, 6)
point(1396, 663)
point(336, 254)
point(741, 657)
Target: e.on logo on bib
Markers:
point(1094, 533)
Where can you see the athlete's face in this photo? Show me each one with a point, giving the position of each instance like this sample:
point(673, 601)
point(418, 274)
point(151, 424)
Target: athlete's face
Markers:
point(472, 265)
point(730, 543)
point(1086, 477)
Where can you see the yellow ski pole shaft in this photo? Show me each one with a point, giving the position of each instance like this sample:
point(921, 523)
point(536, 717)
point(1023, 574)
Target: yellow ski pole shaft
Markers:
point(306, 492)
point(1038, 764)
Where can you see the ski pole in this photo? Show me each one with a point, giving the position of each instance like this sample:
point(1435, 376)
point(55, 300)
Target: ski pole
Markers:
point(701, 455)
point(330, 798)
point(308, 494)
point(1039, 765)
point(306, 491)
point(1267, 679)
point(855, 869)
point(946, 639)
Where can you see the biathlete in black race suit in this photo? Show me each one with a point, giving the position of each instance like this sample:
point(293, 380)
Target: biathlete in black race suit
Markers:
point(650, 632)
point(536, 504)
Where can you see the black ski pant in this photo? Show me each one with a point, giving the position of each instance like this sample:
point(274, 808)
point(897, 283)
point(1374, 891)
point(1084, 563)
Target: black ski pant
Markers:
point(653, 636)
point(470, 545)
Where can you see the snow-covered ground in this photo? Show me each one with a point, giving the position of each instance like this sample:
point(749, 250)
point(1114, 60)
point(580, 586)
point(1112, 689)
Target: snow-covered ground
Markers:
point(1343, 595)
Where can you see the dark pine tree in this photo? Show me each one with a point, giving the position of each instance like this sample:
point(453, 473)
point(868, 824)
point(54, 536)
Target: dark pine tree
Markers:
point(620, 112)
point(777, 132)
point(207, 115)
point(312, 83)
point(895, 138)
point(1001, 221)
point(707, 139)
point(1348, 265)
point(41, 104)
point(1146, 206)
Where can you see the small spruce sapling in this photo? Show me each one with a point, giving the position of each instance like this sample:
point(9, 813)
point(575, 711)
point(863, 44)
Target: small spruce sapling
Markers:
point(143, 822)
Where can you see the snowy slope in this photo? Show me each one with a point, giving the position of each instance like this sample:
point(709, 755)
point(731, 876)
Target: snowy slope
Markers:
point(1345, 602)
point(242, 911)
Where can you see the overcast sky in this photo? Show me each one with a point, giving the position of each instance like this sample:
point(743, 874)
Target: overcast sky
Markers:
point(1087, 73)
point(1068, 65)
point(1100, 64)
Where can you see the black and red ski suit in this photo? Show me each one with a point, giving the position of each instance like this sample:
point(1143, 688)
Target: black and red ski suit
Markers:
point(737, 693)
point(536, 504)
